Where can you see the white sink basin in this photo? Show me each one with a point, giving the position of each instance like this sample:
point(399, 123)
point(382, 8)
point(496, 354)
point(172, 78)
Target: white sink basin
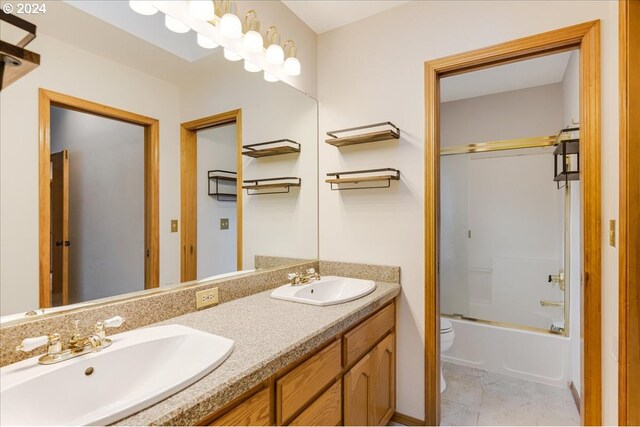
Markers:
point(328, 290)
point(139, 369)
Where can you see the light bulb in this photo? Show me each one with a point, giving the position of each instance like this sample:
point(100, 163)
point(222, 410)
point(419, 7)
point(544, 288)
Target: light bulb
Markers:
point(270, 77)
point(202, 9)
point(251, 67)
point(275, 54)
point(292, 66)
point(230, 26)
point(143, 7)
point(206, 42)
point(231, 55)
point(252, 42)
point(174, 25)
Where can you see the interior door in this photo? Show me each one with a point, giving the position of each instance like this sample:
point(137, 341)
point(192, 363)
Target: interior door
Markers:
point(60, 228)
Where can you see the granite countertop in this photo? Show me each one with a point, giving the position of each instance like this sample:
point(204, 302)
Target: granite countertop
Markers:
point(269, 334)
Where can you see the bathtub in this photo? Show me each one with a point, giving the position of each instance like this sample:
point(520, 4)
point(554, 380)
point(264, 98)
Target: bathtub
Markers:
point(534, 356)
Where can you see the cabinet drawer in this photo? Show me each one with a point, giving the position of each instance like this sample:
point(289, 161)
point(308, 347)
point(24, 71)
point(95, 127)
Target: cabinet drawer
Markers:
point(325, 411)
point(252, 412)
point(361, 339)
point(295, 389)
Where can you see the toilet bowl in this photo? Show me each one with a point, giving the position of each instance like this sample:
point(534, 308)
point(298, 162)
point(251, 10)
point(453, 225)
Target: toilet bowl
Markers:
point(446, 341)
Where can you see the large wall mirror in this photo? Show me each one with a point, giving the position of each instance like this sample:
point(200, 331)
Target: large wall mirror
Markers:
point(134, 159)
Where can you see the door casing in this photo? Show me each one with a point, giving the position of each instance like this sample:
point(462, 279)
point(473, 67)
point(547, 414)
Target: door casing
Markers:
point(586, 38)
point(48, 99)
point(188, 189)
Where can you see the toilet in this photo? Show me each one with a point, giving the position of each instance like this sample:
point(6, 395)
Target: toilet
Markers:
point(446, 341)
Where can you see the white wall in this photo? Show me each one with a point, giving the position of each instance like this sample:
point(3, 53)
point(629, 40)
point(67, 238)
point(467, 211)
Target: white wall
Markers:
point(106, 203)
point(372, 71)
point(571, 114)
point(275, 224)
point(79, 73)
point(216, 248)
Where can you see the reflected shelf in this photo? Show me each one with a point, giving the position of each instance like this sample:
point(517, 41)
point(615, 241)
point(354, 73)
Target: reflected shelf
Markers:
point(218, 175)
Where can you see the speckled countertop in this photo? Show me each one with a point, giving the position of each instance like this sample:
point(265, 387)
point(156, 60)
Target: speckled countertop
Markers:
point(269, 334)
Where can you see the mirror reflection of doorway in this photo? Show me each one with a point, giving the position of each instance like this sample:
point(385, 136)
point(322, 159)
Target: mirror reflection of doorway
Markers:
point(97, 207)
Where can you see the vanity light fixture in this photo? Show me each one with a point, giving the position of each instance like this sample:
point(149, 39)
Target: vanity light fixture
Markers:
point(174, 25)
point(230, 55)
point(252, 41)
point(206, 42)
point(291, 64)
point(203, 10)
point(251, 67)
point(143, 7)
point(270, 77)
point(230, 25)
point(227, 31)
point(275, 53)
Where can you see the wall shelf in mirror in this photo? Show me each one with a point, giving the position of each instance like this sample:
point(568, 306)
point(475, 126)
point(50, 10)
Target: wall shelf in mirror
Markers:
point(271, 148)
point(221, 176)
point(355, 178)
point(386, 132)
point(256, 187)
point(566, 153)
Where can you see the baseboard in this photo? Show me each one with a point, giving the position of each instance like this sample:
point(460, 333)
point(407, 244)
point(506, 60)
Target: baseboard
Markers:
point(406, 420)
point(576, 396)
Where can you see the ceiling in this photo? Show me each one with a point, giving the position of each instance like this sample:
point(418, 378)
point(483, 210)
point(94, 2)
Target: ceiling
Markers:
point(325, 15)
point(541, 71)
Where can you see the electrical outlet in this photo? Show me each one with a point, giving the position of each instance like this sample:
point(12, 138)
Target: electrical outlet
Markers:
point(174, 225)
point(206, 298)
point(224, 223)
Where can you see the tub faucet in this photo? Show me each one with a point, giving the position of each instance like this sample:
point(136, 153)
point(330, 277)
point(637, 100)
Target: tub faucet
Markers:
point(298, 279)
point(78, 344)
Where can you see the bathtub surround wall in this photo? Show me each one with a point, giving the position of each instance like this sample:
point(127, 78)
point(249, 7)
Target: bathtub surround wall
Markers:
point(216, 247)
point(106, 187)
point(373, 71)
point(571, 114)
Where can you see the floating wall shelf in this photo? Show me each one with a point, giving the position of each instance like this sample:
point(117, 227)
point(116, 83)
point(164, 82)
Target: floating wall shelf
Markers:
point(15, 60)
point(369, 175)
point(256, 187)
point(271, 148)
point(363, 138)
point(218, 176)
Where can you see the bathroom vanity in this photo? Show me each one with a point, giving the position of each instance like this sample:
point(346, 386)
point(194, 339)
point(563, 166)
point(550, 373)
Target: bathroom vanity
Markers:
point(350, 381)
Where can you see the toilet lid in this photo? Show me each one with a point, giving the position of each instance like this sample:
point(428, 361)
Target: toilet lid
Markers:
point(445, 325)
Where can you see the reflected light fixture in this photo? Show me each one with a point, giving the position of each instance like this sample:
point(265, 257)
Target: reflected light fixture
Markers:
point(251, 67)
point(206, 42)
point(291, 64)
point(270, 77)
point(174, 25)
point(203, 10)
point(231, 55)
point(252, 41)
point(274, 54)
point(143, 7)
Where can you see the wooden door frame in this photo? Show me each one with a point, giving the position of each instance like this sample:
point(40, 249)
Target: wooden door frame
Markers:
point(48, 99)
point(629, 252)
point(188, 187)
point(585, 37)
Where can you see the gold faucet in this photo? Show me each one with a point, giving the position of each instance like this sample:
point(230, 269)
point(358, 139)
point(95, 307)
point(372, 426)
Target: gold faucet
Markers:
point(298, 279)
point(78, 344)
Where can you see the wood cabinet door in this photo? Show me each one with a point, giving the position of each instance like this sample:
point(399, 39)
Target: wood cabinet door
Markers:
point(358, 393)
point(254, 411)
point(384, 389)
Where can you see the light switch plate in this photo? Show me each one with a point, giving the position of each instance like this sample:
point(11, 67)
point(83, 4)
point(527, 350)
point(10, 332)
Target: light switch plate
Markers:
point(224, 223)
point(174, 225)
point(206, 298)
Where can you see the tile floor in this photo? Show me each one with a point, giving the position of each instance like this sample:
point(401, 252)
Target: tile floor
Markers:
point(477, 397)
